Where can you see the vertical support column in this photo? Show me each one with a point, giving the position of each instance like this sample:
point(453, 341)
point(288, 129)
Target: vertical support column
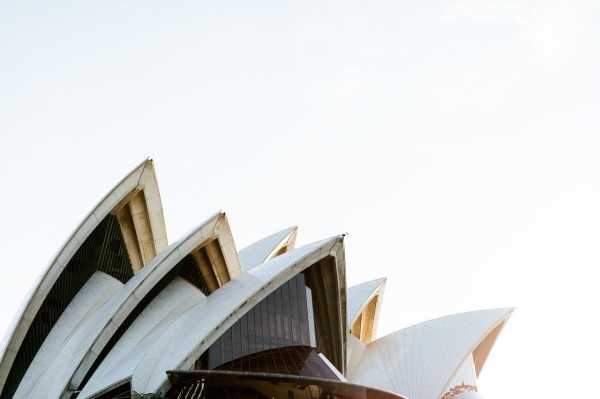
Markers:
point(356, 327)
point(370, 318)
point(203, 263)
point(215, 256)
point(129, 238)
point(363, 326)
point(330, 284)
point(139, 215)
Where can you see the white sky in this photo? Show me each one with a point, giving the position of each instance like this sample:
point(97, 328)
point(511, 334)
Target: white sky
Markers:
point(457, 142)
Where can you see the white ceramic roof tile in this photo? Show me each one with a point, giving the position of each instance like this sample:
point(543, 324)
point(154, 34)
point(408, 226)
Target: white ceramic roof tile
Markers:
point(81, 347)
point(257, 253)
point(419, 361)
point(120, 362)
point(25, 315)
point(359, 295)
point(96, 291)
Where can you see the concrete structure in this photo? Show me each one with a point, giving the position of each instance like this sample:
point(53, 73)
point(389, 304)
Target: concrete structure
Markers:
point(120, 313)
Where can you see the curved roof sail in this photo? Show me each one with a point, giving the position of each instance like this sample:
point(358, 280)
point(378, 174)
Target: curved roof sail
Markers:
point(420, 361)
point(91, 340)
point(94, 294)
point(364, 305)
point(122, 359)
point(117, 237)
point(268, 247)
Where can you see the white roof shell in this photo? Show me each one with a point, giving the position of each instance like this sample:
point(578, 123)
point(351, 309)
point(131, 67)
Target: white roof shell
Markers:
point(87, 341)
point(119, 364)
point(142, 177)
point(94, 294)
point(265, 248)
point(359, 296)
point(420, 361)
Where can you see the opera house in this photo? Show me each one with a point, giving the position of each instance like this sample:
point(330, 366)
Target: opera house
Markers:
point(122, 313)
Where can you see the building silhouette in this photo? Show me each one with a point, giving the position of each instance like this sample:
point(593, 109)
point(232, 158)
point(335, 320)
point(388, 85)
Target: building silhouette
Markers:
point(122, 313)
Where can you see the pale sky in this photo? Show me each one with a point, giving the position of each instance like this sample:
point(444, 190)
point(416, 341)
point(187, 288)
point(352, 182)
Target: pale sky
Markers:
point(456, 142)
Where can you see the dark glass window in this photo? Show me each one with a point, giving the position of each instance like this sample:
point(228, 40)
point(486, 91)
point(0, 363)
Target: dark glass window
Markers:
point(279, 320)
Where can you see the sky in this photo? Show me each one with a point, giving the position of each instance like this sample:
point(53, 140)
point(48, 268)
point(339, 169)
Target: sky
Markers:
point(455, 141)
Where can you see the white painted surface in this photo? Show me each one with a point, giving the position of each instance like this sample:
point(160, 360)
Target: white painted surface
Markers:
point(259, 252)
point(123, 357)
point(90, 337)
point(419, 361)
point(42, 287)
point(354, 351)
point(96, 291)
point(359, 296)
point(464, 375)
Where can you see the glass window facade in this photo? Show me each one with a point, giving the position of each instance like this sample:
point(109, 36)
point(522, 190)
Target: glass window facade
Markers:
point(279, 320)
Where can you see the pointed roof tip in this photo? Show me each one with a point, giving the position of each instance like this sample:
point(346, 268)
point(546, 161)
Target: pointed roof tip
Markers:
point(146, 162)
point(376, 282)
point(339, 239)
point(505, 310)
point(509, 311)
point(265, 248)
point(287, 231)
point(335, 239)
point(219, 215)
point(212, 217)
point(379, 280)
point(140, 165)
point(149, 162)
point(145, 167)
